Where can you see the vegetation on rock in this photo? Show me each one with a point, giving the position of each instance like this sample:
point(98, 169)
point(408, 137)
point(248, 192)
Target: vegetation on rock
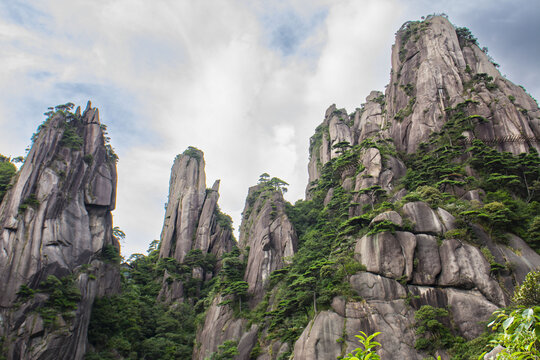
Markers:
point(7, 171)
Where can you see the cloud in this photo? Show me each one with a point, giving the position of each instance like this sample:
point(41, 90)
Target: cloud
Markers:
point(245, 81)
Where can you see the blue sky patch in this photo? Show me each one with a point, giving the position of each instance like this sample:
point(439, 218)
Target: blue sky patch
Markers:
point(286, 30)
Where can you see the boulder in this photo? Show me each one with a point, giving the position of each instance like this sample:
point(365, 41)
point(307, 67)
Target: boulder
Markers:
point(375, 287)
point(390, 216)
point(464, 266)
point(425, 219)
point(427, 260)
point(318, 341)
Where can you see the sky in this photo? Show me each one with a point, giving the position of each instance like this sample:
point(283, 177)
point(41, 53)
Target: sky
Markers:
point(247, 82)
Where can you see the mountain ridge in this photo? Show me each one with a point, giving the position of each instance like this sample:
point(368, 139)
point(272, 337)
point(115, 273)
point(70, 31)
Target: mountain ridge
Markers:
point(421, 206)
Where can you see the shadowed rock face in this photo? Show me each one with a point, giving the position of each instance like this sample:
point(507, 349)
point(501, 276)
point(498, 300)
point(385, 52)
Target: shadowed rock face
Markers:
point(270, 236)
point(418, 262)
point(191, 219)
point(432, 70)
point(55, 219)
point(271, 239)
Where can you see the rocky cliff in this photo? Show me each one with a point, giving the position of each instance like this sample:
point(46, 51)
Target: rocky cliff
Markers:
point(268, 242)
point(435, 67)
point(412, 210)
point(398, 157)
point(269, 236)
point(193, 221)
point(58, 251)
point(418, 223)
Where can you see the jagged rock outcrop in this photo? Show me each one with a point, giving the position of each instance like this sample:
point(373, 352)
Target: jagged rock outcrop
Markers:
point(193, 220)
point(436, 72)
point(221, 325)
point(415, 250)
point(268, 239)
point(338, 127)
point(56, 240)
point(434, 68)
point(270, 236)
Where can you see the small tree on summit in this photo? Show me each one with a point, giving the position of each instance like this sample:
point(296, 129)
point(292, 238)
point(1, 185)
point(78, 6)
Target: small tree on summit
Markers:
point(278, 184)
point(274, 183)
point(264, 177)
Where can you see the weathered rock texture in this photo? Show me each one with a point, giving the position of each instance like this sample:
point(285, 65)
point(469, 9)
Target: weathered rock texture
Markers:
point(268, 239)
point(410, 256)
point(432, 68)
point(270, 236)
point(192, 219)
point(56, 220)
point(420, 264)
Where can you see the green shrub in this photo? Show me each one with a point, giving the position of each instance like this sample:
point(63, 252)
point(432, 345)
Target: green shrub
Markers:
point(226, 351)
point(528, 293)
point(7, 171)
point(88, 159)
point(465, 36)
point(406, 111)
point(25, 292)
point(368, 349)
point(70, 137)
point(520, 334)
point(110, 254)
point(533, 233)
point(30, 201)
point(63, 298)
point(432, 333)
point(194, 153)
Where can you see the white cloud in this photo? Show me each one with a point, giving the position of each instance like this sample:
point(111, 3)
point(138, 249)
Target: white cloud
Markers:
point(215, 75)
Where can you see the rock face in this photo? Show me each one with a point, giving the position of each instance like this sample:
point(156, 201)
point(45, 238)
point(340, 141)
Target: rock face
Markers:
point(193, 220)
point(270, 236)
point(220, 325)
point(422, 259)
point(433, 68)
point(414, 251)
point(268, 239)
point(56, 228)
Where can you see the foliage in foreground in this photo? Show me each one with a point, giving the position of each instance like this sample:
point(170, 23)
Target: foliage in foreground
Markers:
point(7, 171)
point(135, 325)
point(520, 334)
point(368, 349)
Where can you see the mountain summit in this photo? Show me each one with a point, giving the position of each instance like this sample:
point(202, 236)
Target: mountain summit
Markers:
point(421, 219)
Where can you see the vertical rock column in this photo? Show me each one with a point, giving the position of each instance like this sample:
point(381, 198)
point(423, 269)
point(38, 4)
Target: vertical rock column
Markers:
point(271, 239)
point(270, 236)
point(191, 220)
point(55, 223)
point(434, 68)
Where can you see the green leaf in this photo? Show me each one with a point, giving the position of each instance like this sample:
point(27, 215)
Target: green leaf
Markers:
point(506, 324)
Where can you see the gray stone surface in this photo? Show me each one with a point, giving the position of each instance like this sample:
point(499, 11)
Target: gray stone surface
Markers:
point(219, 326)
point(464, 266)
point(434, 64)
point(381, 254)
point(470, 311)
point(318, 341)
point(271, 239)
point(67, 228)
point(190, 219)
point(187, 192)
point(428, 262)
point(391, 216)
point(425, 219)
point(375, 287)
